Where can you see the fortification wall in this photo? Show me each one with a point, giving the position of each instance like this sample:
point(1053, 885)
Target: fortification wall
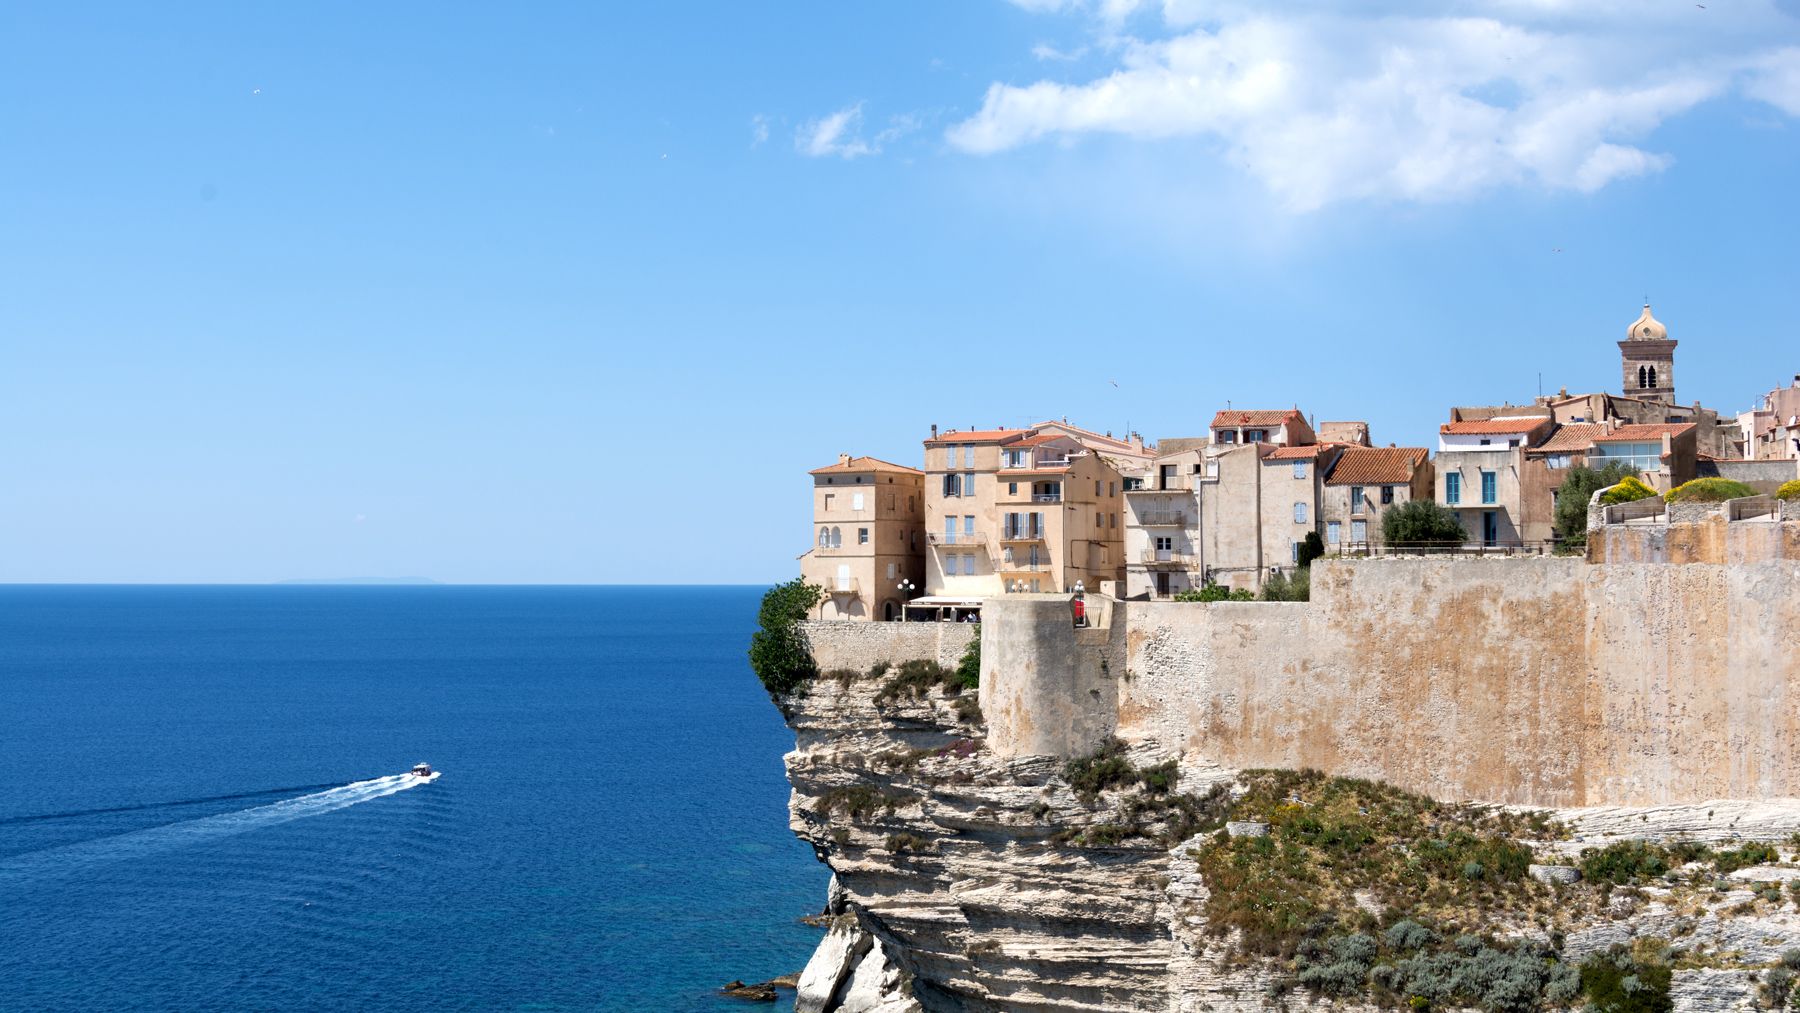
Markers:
point(1530, 681)
point(859, 645)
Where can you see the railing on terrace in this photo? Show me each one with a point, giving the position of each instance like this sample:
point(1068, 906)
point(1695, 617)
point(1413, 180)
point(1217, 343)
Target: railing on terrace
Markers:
point(1637, 509)
point(1639, 462)
point(1163, 519)
point(943, 538)
point(1046, 497)
point(1495, 548)
point(1022, 535)
point(1165, 557)
point(1171, 483)
point(843, 585)
point(1024, 567)
point(1752, 506)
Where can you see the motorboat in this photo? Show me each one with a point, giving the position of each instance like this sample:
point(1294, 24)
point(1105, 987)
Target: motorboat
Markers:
point(424, 770)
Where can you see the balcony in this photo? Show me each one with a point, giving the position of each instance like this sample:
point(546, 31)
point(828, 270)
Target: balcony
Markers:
point(1166, 559)
point(1168, 483)
point(843, 587)
point(942, 539)
point(1039, 567)
point(1162, 519)
point(1046, 497)
point(1023, 535)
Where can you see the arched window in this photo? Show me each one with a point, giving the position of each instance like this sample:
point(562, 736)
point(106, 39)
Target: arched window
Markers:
point(837, 538)
point(824, 538)
point(1653, 376)
point(1643, 379)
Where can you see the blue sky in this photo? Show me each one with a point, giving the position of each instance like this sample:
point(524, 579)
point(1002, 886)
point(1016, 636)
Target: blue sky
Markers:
point(577, 293)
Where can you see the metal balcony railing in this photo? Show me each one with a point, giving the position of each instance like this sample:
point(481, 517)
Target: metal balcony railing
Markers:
point(1162, 519)
point(1046, 497)
point(848, 587)
point(961, 538)
point(1165, 557)
point(1022, 535)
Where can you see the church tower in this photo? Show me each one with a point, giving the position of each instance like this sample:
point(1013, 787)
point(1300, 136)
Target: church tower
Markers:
point(1648, 355)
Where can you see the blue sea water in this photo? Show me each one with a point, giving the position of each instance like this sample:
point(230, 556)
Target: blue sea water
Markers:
point(199, 807)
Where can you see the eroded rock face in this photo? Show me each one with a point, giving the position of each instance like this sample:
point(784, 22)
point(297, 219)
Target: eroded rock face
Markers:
point(966, 882)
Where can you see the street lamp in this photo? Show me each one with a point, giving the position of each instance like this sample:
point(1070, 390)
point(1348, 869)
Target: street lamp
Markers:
point(905, 587)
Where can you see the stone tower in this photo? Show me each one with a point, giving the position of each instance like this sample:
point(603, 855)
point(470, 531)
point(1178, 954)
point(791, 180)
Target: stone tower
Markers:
point(1648, 355)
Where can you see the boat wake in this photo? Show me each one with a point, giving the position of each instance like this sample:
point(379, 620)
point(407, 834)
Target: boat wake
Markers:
point(180, 834)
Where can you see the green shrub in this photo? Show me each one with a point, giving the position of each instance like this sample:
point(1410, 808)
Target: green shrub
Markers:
point(1624, 862)
point(915, 678)
point(901, 844)
point(1629, 489)
point(1422, 522)
point(1615, 982)
point(968, 668)
point(1572, 497)
point(1744, 856)
point(860, 801)
point(1088, 776)
point(1213, 592)
point(778, 654)
point(1789, 490)
point(1311, 548)
point(1709, 490)
point(1286, 587)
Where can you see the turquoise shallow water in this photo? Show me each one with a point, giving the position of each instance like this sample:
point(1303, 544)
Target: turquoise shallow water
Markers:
point(199, 808)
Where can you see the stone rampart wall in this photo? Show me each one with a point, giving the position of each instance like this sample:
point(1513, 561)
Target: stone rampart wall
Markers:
point(1530, 681)
point(859, 645)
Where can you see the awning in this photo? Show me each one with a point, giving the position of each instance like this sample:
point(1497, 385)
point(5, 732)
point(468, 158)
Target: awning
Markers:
point(932, 601)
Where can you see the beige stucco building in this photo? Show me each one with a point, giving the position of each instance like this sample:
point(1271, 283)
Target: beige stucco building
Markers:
point(1771, 431)
point(1365, 482)
point(868, 537)
point(1481, 474)
point(1035, 509)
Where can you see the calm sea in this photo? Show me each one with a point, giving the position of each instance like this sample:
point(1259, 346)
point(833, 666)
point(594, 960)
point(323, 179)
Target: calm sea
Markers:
point(199, 808)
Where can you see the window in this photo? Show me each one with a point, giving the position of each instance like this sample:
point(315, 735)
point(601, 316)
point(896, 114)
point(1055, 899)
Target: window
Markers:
point(1006, 555)
point(837, 538)
point(1034, 585)
point(1299, 469)
point(1642, 380)
point(830, 501)
point(1212, 469)
point(1112, 520)
point(824, 538)
point(1227, 436)
point(856, 501)
point(1112, 489)
point(1359, 531)
point(1486, 442)
point(1387, 495)
point(968, 484)
point(1012, 488)
point(950, 530)
point(1133, 483)
point(1294, 548)
point(1557, 462)
point(1299, 513)
point(1333, 530)
point(891, 572)
point(968, 455)
point(968, 566)
point(1356, 499)
point(1490, 487)
point(862, 536)
point(952, 485)
point(1165, 543)
point(1014, 458)
point(1099, 521)
point(1452, 488)
point(1513, 443)
point(1034, 556)
point(1096, 488)
point(909, 505)
point(1256, 436)
point(969, 526)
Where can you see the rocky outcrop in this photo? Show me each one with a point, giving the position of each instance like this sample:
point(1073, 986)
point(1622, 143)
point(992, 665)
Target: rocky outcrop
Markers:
point(963, 881)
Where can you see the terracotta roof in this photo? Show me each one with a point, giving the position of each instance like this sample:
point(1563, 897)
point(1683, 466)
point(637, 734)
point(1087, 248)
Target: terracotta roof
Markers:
point(1042, 438)
point(1570, 438)
point(1088, 433)
point(1304, 453)
point(979, 436)
point(1229, 419)
point(860, 464)
point(1494, 426)
point(1376, 465)
point(1645, 432)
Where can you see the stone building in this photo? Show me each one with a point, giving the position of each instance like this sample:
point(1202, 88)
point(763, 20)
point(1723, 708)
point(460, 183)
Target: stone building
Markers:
point(1481, 475)
point(1647, 356)
point(1362, 484)
point(868, 537)
point(1024, 509)
point(1771, 431)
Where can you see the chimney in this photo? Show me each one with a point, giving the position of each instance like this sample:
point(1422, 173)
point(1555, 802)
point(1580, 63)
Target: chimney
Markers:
point(934, 430)
point(843, 458)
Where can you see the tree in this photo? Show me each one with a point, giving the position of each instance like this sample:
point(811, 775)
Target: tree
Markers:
point(1311, 549)
point(1572, 500)
point(1629, 490)
point(1213, 592)
point(1422, 522)
point(778, 653)
point(1283, 587)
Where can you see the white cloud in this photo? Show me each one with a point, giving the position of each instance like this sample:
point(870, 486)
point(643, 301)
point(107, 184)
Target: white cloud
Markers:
point(1428, 101)
point(840, 134)
point(759, 130)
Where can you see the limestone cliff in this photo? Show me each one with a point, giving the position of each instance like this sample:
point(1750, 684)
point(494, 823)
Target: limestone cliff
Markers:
point(963, 881)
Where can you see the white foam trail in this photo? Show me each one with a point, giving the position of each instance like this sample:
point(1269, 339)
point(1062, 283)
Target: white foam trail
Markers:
point(175, 835)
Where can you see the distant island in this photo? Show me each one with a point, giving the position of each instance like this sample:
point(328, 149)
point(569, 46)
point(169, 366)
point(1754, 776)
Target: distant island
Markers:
point(359, 580)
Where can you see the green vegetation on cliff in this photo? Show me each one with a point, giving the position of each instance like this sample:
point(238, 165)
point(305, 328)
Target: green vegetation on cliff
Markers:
point(778, 653)
point(1709, 490)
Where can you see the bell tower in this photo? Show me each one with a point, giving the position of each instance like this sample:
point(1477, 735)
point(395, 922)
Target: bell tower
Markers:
point(1648, 357)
